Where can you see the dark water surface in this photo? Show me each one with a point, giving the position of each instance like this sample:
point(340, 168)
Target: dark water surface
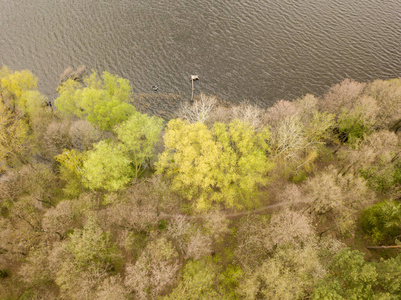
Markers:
point(261, 50)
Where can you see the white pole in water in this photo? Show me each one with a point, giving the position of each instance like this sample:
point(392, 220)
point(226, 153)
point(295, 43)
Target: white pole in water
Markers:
point(193, 78)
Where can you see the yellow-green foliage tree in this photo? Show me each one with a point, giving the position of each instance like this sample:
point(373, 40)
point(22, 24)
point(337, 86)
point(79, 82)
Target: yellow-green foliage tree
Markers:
point(223, 165)
point(20, 102)
point(111, 165)
point(101, 101)
point(14, 86)
point(19, 94)
point(13, 138)
point(71, 165)
point(107, 166)
point(205, 279)
point(139, 134)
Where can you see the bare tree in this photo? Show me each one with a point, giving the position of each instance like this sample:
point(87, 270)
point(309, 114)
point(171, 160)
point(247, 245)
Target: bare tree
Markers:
point(337, 197)
point(56, 138)
point(154, 271)
point(252, 233)
point(289, 142)
point(112, 288)
point(342, 95)
point(248, 113)
point(379, 150)
point(282, 109)
point(178, 229)
point(220, 113)
point(306, 107)
point(83, 134)
point(199, 245)
point(387, 93)
point(290, 227)
point(216, 224)
point(137, 212)
point(60, 219)
point(199, 110)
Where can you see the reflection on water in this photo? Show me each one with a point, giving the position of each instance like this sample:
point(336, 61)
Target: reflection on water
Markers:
point(261, 50)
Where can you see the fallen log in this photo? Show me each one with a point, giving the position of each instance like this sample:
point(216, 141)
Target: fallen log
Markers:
point(384, 247)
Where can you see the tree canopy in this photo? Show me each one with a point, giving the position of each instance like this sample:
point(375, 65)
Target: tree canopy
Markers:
point(101, 101)
point(139, 134)
point(107, 166)
point(243, 203)
point(223, 165)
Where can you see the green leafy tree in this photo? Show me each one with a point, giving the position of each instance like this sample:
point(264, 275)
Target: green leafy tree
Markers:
point(101, 101)
point(107, 166)
point(67, 102)
point(389, 271)
point(205, 279)
point(111, 165)
point(197, 281)
point(223, 165)
point(350, 277)
point(359, 120)
point(382, 221)
point(93, 245)
point(139, 134)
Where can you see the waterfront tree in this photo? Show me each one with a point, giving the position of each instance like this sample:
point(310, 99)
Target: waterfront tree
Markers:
point(224, 165)
point(139, 134)
point(101, 101)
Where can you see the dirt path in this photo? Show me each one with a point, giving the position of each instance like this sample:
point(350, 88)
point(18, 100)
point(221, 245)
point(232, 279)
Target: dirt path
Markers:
point(231, 215)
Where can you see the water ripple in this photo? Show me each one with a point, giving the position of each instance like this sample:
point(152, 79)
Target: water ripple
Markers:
point(260, 50)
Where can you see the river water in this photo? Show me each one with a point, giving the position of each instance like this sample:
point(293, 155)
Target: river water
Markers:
point(260, 50)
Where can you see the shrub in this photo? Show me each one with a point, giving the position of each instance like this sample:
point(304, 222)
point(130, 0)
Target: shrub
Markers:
point(4, 273)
